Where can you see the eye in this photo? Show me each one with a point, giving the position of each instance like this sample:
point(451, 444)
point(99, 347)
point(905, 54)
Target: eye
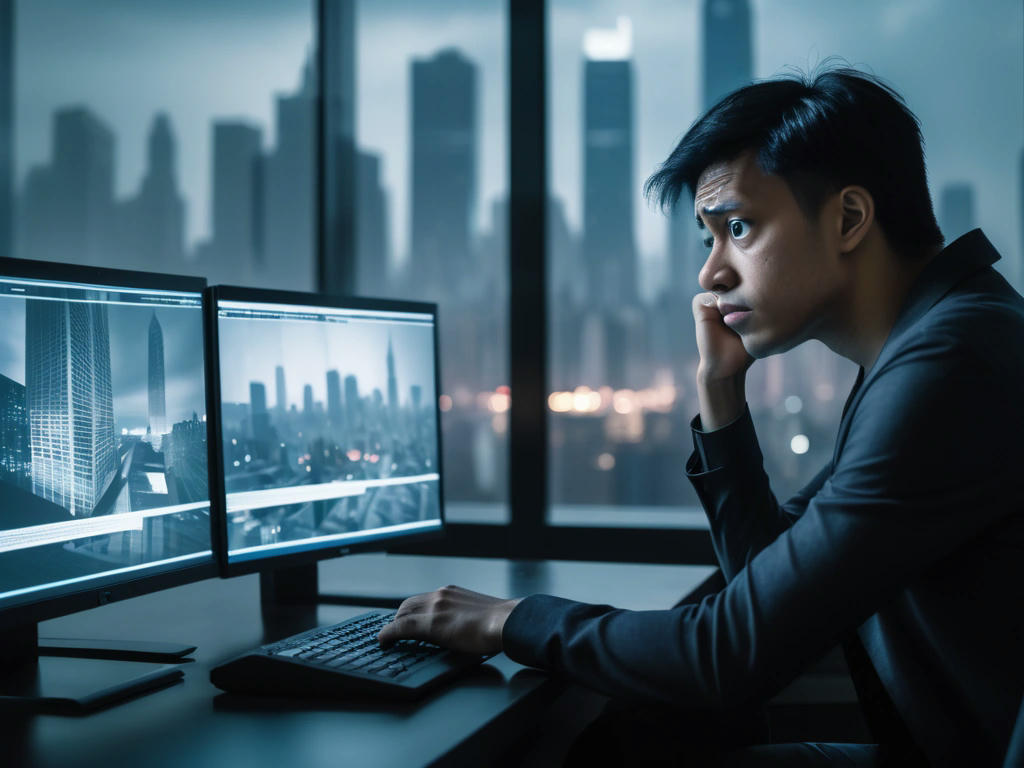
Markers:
point(739, 228)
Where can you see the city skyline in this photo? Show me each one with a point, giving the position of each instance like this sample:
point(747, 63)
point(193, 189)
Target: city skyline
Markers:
point(307, 351)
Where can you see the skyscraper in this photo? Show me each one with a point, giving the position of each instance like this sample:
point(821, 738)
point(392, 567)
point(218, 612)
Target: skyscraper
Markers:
point(157, 399)
point(289, 209)
point(956, 210)
point(444, 139)
point(258, 411)
point(68, 205)
point(334, 407)
point(372, 250)
point(70, 403)
point(236, 198)
point(609, 246)
point(392, 379)
point(307, 399)
point(728, 48)
point(343, 197)
point(15, 455)
point(151, 226)
point(352, 405)
point(280, 393)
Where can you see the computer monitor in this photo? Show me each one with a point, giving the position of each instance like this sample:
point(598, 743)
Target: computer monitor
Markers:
point(104, 466)
point(325, 411)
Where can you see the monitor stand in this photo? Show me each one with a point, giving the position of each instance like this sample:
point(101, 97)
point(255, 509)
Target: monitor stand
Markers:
point(300, 585)
point(32, 682)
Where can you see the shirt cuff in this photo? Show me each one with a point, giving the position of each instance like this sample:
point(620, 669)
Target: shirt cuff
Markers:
point(721, 446)
point(529, 627)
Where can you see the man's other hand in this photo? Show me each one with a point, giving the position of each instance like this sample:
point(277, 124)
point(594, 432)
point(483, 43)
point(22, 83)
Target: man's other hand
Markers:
point(453, 617)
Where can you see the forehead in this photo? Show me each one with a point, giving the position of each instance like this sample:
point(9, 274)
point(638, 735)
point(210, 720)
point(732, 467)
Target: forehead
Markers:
point(739, 180)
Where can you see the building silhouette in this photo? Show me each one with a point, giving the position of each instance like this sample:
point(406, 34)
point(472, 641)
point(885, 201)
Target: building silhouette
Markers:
point(67, 209)
point(150, 227)
point(157, 398)
point(280, 393)
point(444, 139)
point(236, 199)
point(342, 205)
point(352, 405)
point(289, 207)
point(956, 210)
point(307, 399)
point(258, 412)
point(728, 53)
point(392, 380)
point(70, 402)
point(373, 253)
point(608, 188)
point(15, 454)
point(334, 404)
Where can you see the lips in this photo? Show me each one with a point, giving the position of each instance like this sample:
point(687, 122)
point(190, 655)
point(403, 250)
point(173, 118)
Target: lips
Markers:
point(733, 313)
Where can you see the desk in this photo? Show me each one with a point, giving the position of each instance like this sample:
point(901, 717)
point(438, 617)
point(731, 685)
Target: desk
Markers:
point(193, 724)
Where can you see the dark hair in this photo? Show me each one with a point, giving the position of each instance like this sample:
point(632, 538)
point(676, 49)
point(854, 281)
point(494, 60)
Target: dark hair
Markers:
point(820, 133)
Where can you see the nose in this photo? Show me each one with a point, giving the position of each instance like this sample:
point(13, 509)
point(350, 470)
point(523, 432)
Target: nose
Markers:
point(717, 275)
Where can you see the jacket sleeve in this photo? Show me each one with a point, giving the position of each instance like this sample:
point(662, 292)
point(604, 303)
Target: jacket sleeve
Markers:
point(908, 489)
point(726, 469)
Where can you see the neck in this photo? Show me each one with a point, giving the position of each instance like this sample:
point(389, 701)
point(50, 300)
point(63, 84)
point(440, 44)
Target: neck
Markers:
point(880, 281)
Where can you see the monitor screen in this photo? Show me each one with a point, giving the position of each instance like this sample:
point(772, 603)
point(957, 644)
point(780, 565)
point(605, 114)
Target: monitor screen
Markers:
point(329, 426)
point(103, 454)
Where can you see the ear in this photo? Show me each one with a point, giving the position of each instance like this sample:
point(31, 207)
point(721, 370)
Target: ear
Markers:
point(858, 211)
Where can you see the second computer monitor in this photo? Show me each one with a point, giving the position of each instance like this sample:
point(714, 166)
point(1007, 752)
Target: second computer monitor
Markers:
point(328, 424)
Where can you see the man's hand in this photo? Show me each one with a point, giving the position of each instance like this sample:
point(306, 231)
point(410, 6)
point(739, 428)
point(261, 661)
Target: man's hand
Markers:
point(453, 617)
point(721, 375)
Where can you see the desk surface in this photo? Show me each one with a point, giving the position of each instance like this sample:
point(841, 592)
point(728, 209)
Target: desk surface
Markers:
point(193, 724)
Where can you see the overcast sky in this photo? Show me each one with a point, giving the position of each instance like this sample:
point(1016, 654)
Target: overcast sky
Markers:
point(251, 350)
point(959, 63)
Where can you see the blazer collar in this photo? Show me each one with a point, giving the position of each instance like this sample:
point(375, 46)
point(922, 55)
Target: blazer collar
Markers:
point(958, 260)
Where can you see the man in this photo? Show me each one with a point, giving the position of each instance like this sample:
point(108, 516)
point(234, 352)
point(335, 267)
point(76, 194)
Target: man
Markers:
point(907, 547)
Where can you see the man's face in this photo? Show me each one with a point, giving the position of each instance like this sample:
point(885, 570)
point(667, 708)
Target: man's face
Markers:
point(777, 275)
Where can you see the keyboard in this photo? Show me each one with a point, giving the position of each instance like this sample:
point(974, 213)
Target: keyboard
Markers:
point(343, 659)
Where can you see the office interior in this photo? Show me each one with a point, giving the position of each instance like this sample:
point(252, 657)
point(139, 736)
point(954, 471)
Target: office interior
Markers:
point(487, 157)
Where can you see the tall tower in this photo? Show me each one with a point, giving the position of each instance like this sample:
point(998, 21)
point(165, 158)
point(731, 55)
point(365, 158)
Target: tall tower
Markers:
point(609, 246)
point(307, 399)
point(728, 49)
point(392, 380)
point(334, 408)
point(281, 394)
point(235, 204)
point(444, 139)
point(956, 210)
point(372, 249)
point(70, 403)
point(157, 399)
point(288, 209)
point(258, 410)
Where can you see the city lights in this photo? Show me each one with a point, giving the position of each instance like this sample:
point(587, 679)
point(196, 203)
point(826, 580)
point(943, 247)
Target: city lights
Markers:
point(799, 444)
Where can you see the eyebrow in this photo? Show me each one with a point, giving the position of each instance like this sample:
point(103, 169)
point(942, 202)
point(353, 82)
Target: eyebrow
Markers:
point(717, 210)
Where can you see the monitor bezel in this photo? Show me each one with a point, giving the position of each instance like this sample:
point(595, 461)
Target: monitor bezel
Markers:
point(76, 598)
point(218, 500)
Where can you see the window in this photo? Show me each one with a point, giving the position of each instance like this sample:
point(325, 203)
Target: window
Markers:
point(179, 139)
point(431, 211)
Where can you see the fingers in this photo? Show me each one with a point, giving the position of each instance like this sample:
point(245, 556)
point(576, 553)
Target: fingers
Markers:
point(412, 626)
point(705, 307)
